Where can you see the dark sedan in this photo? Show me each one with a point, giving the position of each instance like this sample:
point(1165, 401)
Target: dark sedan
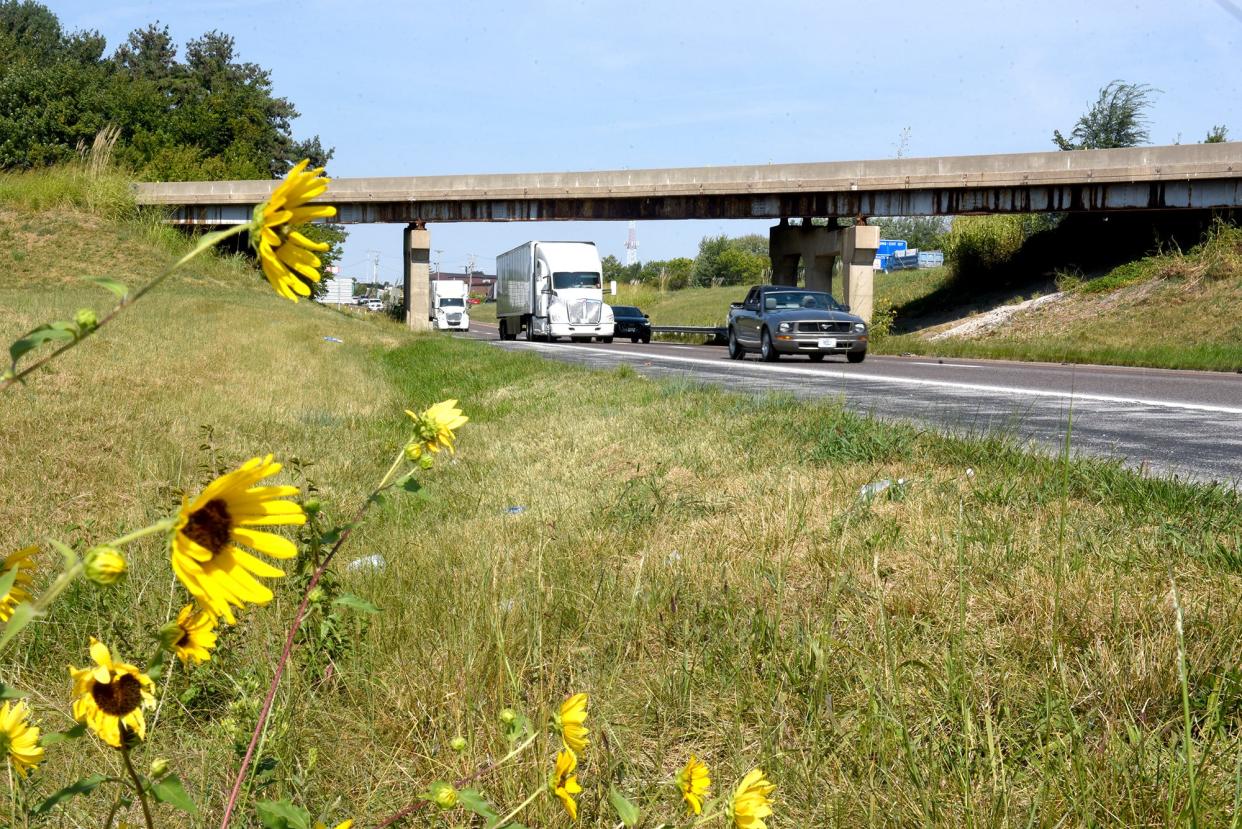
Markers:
point(631, 322)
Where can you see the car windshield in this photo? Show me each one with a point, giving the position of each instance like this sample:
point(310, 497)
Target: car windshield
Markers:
point(810, 300)
point(626, 311)
point(575, 279)
point(451, 302)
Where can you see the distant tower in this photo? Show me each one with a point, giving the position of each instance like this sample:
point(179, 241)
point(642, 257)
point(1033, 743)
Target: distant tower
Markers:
point(631, 245)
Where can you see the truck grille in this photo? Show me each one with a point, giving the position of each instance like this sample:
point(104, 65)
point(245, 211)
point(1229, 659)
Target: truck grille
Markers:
point(585, 312)
point(825, 327)
point(454, 319)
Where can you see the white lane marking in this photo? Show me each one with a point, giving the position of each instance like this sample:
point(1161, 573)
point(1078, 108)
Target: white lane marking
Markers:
point(913, 381)
point(949, 365)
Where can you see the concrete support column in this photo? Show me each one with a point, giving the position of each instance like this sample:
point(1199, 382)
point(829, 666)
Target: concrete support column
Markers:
point(818, 273)
point(416, 245)
point(858, 247)
point(784, 249)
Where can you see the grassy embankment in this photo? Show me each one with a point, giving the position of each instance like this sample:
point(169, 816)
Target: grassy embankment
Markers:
point(1175, 309)
point(994, 647)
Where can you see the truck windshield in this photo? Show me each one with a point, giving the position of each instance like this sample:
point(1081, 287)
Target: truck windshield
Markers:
point(813, 300)
point(575, 279)
point(451, 302)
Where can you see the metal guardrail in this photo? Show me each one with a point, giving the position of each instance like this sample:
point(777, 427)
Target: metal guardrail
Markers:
point(719, 334)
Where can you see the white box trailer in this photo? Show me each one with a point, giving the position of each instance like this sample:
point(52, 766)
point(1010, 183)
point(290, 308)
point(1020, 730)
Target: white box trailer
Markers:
point(551, 290)
point(450, 309)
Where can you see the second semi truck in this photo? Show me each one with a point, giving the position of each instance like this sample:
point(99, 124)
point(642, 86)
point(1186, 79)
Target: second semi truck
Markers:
point(551, 290)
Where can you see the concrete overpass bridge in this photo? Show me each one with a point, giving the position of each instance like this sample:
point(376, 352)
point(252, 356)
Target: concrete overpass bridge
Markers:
point(1179, 177)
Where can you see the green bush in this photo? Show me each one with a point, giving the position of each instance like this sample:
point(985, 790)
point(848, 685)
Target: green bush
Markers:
point(977, 245)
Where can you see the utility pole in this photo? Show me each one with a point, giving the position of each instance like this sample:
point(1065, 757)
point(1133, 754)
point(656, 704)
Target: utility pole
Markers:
point(375, 258)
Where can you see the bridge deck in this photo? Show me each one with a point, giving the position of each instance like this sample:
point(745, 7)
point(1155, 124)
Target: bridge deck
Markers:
point(1168, 177)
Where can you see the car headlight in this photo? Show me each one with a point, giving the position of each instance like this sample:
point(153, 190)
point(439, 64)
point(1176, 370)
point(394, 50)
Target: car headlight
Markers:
point(859, 328)
point(557, 312)
point(785, 327)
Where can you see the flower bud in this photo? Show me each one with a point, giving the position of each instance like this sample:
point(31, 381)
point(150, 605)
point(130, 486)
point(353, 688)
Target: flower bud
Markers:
point(426, 461)
point(104, 565)
point(86, 320)
point(458, 743)
point(508, 716)
point(311, 506)
point(443, 794)
point(159, 767)
point(316, 595)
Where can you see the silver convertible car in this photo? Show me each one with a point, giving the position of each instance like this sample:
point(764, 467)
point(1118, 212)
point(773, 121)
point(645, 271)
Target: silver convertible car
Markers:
point(777, 319)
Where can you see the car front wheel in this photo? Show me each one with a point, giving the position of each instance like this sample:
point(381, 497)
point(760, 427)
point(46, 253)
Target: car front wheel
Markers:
point(766, 348)
point(736, 352)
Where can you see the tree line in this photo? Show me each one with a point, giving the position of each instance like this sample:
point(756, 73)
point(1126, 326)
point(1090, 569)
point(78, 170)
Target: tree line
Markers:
point(206, 115)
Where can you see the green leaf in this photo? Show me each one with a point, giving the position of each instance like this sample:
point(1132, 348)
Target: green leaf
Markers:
point(281, 814)
point(84, 786)
point(409, 483)
point(118, 288)
point(169, 790)
point(7, 581)
point(55, 737)
point(334, 535)
point(473, 800)
point(39, 336)
point(23, 614)
point(9, 692)
point(626, 810)
point(354, 603)
point(67, 554)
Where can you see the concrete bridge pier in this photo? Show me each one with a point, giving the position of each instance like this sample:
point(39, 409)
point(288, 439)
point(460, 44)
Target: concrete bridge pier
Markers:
point(416, 244)
point(818, 247)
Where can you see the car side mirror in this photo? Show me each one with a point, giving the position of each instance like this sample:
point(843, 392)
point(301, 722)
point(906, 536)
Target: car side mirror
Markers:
point(847, 308)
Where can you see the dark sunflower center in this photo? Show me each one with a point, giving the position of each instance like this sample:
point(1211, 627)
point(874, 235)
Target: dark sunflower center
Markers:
point(184, 641)
point(210, 526)
point(119, 697)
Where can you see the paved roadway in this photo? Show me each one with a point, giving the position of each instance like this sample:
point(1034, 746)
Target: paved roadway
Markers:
point(1184, 423)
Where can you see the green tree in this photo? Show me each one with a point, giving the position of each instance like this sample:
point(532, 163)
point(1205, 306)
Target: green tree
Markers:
point(1116, 119)
point(1218, 134)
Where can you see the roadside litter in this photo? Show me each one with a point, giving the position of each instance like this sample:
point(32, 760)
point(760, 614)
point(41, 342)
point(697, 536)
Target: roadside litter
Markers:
point(511, 511)
point(333, 339)
point(893, 490)
point(372, 562)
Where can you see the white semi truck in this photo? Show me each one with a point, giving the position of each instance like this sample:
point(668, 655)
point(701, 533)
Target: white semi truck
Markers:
point(550, 290)
point(450, 308)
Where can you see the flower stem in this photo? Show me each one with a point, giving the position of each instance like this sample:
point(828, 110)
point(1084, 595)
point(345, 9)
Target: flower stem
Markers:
point(160, 526)
point(708, 818)
point(12, 377)
point(260, 725)
point(504, 820)
point(387, 479)
point(133, 775)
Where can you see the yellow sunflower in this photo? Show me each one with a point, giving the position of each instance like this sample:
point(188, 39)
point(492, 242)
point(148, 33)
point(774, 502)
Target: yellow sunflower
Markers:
point(571, 720)
point(284, 253)
point(563, 782)
point(694, 783)
point(111, 696)
point(434, 428)
point(205, 555)
point(20, 591)
point(342, 825)
point(197, 639)
point(19, 738)
point(750, 803)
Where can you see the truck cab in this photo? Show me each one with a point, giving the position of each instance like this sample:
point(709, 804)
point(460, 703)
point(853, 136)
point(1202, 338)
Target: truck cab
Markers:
point(449, 308)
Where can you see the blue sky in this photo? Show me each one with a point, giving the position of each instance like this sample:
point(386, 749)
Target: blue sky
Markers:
point(438, 88)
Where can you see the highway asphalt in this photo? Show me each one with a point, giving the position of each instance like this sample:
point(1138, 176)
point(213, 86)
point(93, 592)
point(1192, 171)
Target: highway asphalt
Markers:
point(1184, 423)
